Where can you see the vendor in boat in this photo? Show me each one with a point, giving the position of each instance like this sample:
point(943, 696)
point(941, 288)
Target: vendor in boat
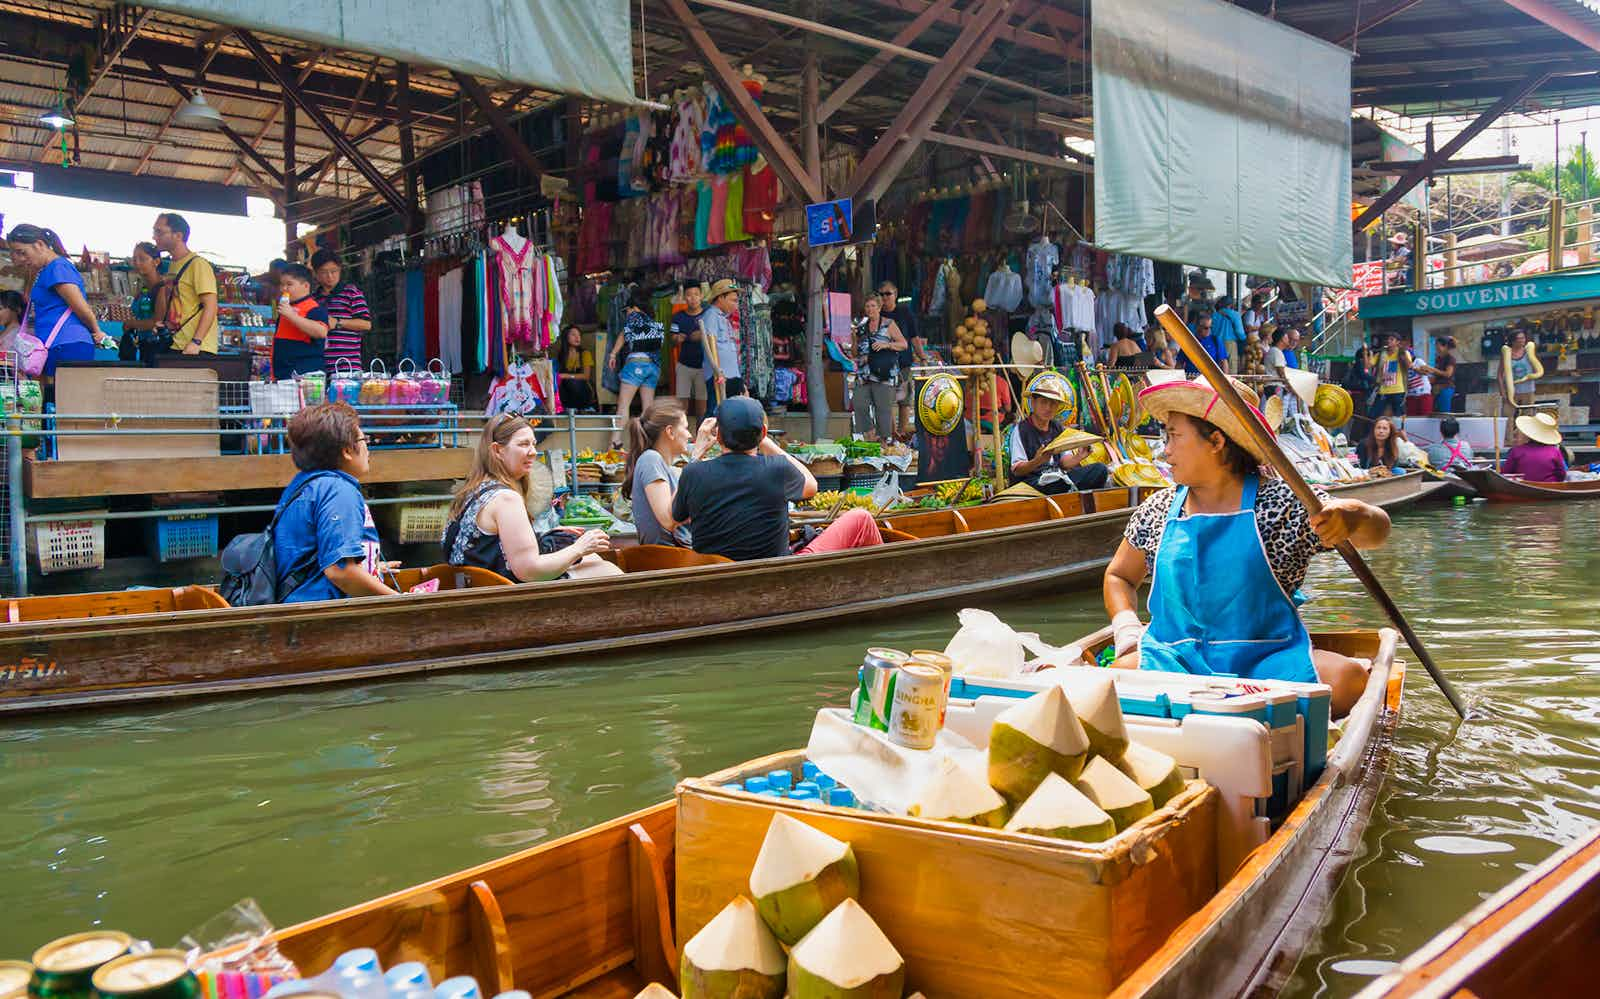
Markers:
point(737, 504)
point(1537, 455)
point(656, 440)
point(324, 541)
point(1050, 469)
point(489, 526)
point(1225, 550)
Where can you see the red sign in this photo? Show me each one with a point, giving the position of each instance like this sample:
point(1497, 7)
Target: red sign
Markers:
point(1368, 281)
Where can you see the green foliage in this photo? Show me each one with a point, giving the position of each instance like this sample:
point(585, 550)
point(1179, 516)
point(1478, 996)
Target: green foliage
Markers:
point(1577, 164)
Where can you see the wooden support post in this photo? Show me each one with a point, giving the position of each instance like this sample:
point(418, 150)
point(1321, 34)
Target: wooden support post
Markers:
point(861, 77)
point(1586, 234)
point(501, 126)
point(291, 180)
point(999, 456)
point(1558, 232)
point(408, 153)
point(1419, 256)
point(1452, 276)
point(817, 262)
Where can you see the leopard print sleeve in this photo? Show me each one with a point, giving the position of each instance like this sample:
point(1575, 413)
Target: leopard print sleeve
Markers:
point(1146, 525)
point(1286, 533)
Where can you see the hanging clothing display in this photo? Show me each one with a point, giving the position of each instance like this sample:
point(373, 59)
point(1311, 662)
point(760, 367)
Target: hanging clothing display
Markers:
point(760, 198)
point(755, 341)
point(1004, 289)
point(1043, 257)
point(1073, 307)
point(685, 160)
point(518, 268)
point(450, 320)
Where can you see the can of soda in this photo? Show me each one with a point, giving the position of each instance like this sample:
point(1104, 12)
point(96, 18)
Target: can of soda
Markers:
point(157, 974)
point(875, 686)
point(917, 706)
point(63, 969)
point(946, 665)
point(14, 977)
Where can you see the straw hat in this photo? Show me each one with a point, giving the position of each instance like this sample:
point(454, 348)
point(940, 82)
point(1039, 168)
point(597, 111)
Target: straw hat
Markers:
point(541, 489)
point(1303, 383)
point(1332, 406)
point(1273, 412)
point(1199, 400)
point(1049, 385)
point(1540, 428)
point(721, 288)
point(939, 404)
point(1026, 350)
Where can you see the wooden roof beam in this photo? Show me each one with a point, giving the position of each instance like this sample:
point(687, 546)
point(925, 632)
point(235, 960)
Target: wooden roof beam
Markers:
point(1008, 152)
point(507, 135)
point(861, 77)
point(1048, 44)
point(1562, 21)
point(1377, 17)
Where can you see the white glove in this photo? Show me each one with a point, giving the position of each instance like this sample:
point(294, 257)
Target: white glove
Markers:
point(1125, 630)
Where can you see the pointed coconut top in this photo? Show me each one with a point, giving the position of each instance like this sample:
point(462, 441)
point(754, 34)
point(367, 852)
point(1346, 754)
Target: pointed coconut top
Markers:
point(1109, 787)
point(1148, 767)
point(1094, 699)
point(1048, 719)
point(954, 792)
point(792, 852)
point(847, 948)
point(1057, 805)
point(735, 940)
point(655, 990)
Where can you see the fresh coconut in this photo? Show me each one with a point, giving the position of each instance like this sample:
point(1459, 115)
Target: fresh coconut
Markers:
point(956, 794)
point(799, 876)
point(1094, 701)
point(1154, 771)
point(1040, 736)
point(1117, 796)
point(846, 957)
point(734, 956)
point(1058, 809)
point(655, 990)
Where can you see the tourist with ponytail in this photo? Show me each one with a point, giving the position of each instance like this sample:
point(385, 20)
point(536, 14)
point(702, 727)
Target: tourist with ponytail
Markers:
point(62, 319)
point(656, 440)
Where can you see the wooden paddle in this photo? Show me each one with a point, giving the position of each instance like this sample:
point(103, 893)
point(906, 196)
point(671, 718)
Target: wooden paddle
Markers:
point(1264, 441)
point(717, 385)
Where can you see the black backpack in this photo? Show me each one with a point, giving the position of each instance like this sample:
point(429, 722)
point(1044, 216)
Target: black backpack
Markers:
point(250, 564)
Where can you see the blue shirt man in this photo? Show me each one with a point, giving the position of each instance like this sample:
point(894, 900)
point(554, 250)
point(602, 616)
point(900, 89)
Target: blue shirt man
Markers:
point(327, 523)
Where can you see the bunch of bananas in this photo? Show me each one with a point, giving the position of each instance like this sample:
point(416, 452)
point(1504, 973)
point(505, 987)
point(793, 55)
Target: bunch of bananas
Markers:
point(845, 501)
point(952, 493)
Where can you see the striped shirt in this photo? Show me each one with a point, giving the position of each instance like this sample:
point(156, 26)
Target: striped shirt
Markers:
point(344, 302)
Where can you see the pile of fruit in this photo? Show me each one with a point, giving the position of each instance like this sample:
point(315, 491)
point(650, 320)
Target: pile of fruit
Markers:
point(973, 345)
point(846, 500)
point(611, 457)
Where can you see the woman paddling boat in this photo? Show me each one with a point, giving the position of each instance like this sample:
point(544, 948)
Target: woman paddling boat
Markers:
point(1225, 550)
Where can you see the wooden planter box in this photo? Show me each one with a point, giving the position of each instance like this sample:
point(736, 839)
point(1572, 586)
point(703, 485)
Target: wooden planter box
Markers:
point(974, 912)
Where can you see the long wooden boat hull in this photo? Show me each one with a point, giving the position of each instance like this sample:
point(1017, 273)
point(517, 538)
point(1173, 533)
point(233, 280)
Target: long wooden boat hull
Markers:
point(1491, 485)
point(1395, 492)
point(1534, 938)
point(1452, 485)
point(82, 663)
point(592, 915)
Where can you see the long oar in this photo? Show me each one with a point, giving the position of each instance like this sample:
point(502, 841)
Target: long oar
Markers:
point(1230, 397)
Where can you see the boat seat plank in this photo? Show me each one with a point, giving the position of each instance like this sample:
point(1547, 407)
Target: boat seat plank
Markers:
point(1009, 513)
point(655, 951)
point(890, 535)
point(450, 577)
point(647, 558)
point(928, 523)
point(1110, 499)
point(491, 943)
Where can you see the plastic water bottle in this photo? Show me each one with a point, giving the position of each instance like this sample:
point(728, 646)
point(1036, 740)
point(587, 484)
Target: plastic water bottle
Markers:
point(825, 783)
point(515, 994)
point(809, 770)
point(733, 787)
point(780, 779)
point(757, 785)
point(802, 794)
point(809, 786)
point(361, 961)
point(356, 974)
point(842, 797)
point(408, 977)
point(459, 987)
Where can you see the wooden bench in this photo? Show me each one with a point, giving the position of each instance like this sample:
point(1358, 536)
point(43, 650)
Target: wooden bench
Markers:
point(1011, 513)
point(113, 603)
point(928, 523)
point(647, 558)
point(450, 577)
point(1110, 499)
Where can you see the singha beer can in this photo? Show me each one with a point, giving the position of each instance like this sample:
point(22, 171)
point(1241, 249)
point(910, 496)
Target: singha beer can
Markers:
point(917, 707)
point(157, 974)
point(875, 689)
point(946, 665)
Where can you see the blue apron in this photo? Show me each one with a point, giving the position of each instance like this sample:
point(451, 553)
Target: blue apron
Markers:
point(1215, 606)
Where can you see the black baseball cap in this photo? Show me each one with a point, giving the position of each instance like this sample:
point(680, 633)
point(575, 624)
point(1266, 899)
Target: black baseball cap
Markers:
point(741, 423)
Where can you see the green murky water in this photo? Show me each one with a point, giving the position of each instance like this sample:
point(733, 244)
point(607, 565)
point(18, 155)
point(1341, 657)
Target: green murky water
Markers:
point(153, 820)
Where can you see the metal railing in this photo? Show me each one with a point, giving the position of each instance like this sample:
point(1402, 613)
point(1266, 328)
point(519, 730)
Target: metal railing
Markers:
point(1562, 236)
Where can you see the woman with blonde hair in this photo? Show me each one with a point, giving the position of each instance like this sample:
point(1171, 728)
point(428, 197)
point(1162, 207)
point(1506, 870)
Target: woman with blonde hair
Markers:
point(489, 525)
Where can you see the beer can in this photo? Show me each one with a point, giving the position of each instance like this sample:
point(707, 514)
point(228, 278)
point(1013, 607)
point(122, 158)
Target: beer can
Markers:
point(918, 703)
point(875, 690)
point(156, 974)
point(946, 665)
point(14, 977)
point(62, 968)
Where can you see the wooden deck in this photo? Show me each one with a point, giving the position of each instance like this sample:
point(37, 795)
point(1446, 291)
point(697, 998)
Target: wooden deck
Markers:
point(221, 473)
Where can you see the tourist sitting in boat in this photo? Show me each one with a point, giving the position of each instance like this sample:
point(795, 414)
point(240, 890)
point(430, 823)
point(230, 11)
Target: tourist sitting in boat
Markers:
point(1033, 460)
point(1451, 453)
point(1537, 455)
point(1225, 550)
point(737, 505)
point(489, 525)
point(324, 541)
point(656, 441)
point(1381, 448)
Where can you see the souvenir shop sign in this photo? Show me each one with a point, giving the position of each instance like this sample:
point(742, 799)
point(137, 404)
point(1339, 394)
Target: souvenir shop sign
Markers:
point(577, 48)
point(830, 223)
point(1542, 290)
point(1221, 139)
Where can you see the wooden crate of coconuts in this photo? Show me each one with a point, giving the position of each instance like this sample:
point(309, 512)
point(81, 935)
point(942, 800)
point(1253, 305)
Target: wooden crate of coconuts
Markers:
point(852, 903)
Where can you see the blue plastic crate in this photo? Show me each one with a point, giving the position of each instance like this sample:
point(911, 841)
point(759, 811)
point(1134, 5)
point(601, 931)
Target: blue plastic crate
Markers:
point(182, 536)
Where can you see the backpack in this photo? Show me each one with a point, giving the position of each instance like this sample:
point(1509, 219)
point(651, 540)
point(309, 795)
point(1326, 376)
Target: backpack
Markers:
point(250, 564)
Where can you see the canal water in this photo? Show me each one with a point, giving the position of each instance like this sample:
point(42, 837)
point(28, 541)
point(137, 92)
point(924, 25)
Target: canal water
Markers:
point(154, 820)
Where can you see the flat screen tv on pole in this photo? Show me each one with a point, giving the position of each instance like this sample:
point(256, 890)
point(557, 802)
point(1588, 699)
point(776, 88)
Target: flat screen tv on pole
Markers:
point(830, 223)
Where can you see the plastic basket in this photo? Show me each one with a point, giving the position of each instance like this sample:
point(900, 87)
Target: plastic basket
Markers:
point(419, 523)
point(66, 545)
point(184, 536)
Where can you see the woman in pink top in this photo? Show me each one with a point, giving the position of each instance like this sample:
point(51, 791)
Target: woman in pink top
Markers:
point(1537, 456)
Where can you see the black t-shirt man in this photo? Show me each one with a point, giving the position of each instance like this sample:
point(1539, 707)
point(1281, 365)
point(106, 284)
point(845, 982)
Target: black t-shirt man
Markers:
point(690, 353)
point(903, 317)
point(737, 505)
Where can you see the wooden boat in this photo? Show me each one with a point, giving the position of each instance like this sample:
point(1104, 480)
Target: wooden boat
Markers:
point(592, 914)
point(158, 652)
point(1493, 486)
point(1452, 485)
point(1531, 939)
point(1394, 492)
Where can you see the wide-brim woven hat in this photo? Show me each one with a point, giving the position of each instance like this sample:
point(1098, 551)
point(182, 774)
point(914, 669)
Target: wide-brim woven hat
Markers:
point(939, 404)
point(1541, 428)
point(1198, 399)
point(1332, 406)
point(541, 489)
point(1049, 385)
point(1304, 384)
point(1025, 350)
point(721, 288)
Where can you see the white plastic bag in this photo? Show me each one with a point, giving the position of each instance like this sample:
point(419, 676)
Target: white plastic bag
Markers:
point(984, 646)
